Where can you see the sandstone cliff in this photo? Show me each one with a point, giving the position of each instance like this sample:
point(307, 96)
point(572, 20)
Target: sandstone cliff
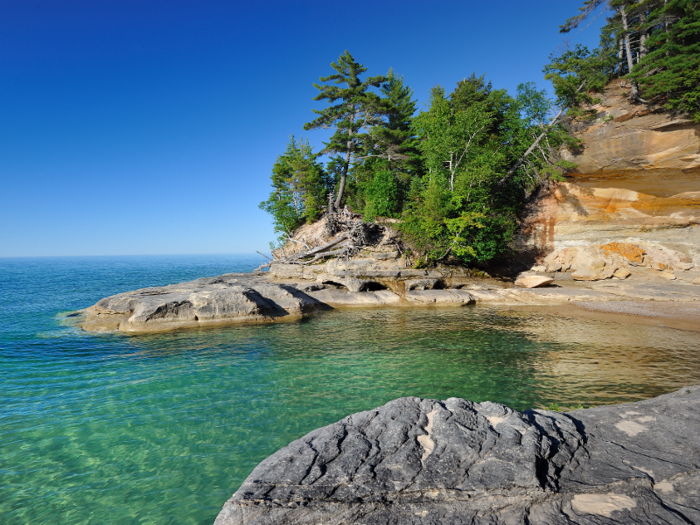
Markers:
point(637, 182)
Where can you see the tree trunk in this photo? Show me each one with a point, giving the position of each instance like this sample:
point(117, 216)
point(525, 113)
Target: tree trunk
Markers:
point(628, 49)
point(343, 177)
point(620, 54)
point(534, 144)
point(630, 63)
point(643, 35)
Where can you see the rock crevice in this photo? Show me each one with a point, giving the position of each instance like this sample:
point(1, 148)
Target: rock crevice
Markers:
point(423, 461)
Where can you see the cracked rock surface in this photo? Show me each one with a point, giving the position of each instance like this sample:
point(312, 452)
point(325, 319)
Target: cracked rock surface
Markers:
point(211, 301)
point(421, 461)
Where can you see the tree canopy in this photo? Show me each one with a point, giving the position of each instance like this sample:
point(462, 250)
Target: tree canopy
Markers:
point(455, 174)
point(654, 44)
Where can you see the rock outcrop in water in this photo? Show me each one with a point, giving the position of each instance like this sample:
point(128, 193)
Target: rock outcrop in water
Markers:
point(290, 292)
point(227, 299)
point(422, 461)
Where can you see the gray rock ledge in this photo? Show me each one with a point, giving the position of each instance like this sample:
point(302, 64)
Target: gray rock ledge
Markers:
point(283, 295)
point(237, 298)
point(421, 461)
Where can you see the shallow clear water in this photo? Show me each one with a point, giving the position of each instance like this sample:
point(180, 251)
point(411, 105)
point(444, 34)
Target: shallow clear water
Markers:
point(163, 428)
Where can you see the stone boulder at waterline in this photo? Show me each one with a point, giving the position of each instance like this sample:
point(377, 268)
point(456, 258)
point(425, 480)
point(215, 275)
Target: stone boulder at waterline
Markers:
point(226, 299)
point(533, 281)
point(595, 262)
point(254, 298)
point(422, 461)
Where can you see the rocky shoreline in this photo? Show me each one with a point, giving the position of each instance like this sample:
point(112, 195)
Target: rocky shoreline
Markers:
point(291, 292)
point(423, 461)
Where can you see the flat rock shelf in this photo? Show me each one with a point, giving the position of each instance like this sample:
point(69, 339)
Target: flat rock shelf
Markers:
point(289, 293)
point(421, 461)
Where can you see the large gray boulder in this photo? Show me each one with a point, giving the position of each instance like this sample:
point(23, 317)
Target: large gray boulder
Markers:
point(421, 461)
point(227, 299)
point(237, 298)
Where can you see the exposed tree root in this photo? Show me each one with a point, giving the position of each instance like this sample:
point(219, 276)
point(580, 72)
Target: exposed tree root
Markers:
point(348, 233)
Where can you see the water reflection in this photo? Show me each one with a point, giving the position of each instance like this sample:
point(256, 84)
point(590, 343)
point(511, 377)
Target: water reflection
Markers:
point(498, 353)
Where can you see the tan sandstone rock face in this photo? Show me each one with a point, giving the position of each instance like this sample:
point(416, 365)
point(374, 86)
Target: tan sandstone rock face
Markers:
point(637, 138)
point(533, 281)
point(573, 215)
point(637, 181)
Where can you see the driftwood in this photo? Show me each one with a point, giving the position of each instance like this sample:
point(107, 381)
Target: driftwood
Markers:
point(349, 234)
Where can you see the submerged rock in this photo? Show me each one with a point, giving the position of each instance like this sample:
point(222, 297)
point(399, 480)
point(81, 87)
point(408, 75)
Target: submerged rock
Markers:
point(423, 461)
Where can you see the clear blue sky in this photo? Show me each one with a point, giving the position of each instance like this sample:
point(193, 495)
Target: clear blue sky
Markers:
point(150, 127)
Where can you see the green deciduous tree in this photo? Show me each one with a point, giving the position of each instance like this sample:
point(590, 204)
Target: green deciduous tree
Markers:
point(451, 207)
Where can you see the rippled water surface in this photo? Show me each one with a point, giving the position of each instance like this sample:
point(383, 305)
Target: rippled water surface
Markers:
point(162, 429)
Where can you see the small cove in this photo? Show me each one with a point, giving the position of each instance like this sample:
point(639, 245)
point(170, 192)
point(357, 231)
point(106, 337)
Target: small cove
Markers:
point(163, 428)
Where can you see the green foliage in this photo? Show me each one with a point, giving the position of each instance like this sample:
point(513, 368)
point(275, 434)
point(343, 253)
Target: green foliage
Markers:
point(382, 196)
point(388, 146)
point(300, 186)
point(526, 118)
point(575, 74)
point(653, 43)
point(671, 69)
point(456, 209)
point(441, 172)
point(353, 108)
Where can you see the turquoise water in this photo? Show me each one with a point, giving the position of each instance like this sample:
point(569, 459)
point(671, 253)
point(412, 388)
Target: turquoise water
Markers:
point(163, 428)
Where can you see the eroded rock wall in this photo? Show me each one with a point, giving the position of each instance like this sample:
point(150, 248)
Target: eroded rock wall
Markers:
point(637, 180)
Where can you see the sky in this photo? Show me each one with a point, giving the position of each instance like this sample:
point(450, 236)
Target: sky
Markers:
point(150, 127)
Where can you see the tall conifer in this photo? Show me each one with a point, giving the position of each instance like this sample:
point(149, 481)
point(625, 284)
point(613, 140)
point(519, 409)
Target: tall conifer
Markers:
point(349, 114)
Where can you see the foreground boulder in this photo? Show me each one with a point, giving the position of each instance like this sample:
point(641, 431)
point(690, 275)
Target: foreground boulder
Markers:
point(423, 461)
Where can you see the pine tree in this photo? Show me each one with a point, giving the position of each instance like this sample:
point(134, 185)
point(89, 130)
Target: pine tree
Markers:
point(299, 186)
point(389, 157)
point(671, 69)
point(393, 138)
point(353, 109)
point(658, 49)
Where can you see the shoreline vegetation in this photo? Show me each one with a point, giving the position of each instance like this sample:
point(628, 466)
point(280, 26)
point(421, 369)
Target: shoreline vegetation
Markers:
point(456, 176)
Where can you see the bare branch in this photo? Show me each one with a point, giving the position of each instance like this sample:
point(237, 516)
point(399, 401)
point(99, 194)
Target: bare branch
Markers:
point(515, 167)
point(298, 242)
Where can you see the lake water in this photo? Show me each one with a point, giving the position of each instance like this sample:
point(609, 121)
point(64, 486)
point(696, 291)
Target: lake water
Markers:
point(163, 428)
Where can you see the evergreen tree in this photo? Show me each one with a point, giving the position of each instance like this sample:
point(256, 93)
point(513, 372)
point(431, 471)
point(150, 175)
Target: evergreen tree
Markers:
point(653, 43)
point(299, 190)
point(671, 69)
point(389, 158)
point(353, 109)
